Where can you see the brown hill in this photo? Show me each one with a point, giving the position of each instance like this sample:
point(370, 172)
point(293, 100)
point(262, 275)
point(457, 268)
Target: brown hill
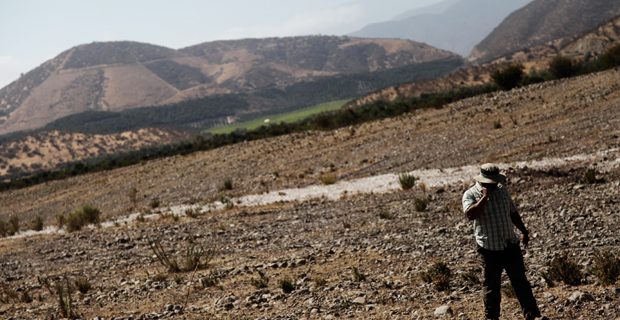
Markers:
point(116, 76)
point(542, 21)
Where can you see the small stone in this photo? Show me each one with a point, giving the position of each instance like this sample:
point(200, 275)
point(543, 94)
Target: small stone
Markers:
point(443, 311)
point(359, 300)
point(578, 296)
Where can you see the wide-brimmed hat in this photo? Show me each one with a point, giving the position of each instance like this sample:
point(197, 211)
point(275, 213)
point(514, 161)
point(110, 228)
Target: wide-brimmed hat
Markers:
point(489, 173)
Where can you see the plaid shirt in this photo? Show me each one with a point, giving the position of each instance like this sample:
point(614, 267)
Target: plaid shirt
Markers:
point(493, 229)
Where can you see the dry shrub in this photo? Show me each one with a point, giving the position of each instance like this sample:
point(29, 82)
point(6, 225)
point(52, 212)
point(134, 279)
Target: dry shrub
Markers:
point(563, 269)
point(407, 181)
point(606, 267)
point(194, 257)
point(439, 274)
point(328, 178)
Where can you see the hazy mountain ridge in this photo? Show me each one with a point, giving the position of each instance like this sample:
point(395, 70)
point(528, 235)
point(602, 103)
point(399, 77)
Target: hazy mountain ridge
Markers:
point(120, 75)
point(542, 21)
point(581, 46)
point(451, 25)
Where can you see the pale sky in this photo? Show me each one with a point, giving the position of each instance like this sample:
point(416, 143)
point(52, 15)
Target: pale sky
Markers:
point(33, 31)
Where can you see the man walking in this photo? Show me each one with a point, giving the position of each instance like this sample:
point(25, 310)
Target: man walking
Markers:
point(489, 205)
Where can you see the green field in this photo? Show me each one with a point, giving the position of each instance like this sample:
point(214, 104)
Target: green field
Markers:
point(288, 117)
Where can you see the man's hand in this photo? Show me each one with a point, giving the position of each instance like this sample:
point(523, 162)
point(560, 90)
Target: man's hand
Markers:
point(526, 239)
point(485, 194)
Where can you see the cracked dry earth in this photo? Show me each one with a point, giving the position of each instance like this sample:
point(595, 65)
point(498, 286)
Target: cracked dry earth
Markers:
point(316, 244)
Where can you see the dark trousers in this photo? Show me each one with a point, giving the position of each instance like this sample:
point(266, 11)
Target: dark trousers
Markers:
point(511, 260)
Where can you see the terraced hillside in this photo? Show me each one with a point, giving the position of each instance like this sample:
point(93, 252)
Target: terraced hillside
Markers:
point(362, 256)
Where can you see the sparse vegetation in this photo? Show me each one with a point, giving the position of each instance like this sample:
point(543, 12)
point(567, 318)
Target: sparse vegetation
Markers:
point(562, 67)
point(13, 225)
point(406, 180)
point(81, 217)
point(209, 281)
point(606, 267)
point(286, 285)
point(37, 223)
point(155, 203)
point(228, 184)
point(509, 77)
point(82, 284)
point(7, 294)
point(358, 276)
point(195, 257)
point(386, 215)
point(439, 274)
point(62, 289)
point(262, 281)
point(319, 282)
point(562, 268)
point(590, 176)
point(420, 203)
point(3, 228)
point(133, 195)
point(328, 178)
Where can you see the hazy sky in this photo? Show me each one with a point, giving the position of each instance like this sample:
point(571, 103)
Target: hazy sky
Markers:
point(33, 31)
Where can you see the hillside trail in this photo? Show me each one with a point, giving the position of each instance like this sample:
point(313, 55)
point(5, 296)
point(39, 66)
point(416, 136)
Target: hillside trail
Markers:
point(603, 161)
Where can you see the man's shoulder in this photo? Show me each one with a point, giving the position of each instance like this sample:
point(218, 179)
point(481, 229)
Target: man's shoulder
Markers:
point(472, 190)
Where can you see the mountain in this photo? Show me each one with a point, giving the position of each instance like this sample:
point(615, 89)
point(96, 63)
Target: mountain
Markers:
point(581, 47)
point(455, 25)
point(542, 21)
point(116, 76)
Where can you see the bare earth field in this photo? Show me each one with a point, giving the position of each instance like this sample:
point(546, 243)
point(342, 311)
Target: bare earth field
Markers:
point(317, 243)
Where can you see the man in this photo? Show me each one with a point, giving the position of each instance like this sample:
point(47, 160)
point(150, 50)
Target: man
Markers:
point(489, 205)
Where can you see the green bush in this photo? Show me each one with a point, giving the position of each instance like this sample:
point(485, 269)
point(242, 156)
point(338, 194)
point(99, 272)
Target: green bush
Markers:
point(82, 217)
point(509, 77)
point(610, 59)
point(562, 67)
point(439, 274)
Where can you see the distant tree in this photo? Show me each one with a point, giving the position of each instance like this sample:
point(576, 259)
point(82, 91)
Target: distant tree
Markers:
point(509, 77)
point(611, 58)
point(563, 67)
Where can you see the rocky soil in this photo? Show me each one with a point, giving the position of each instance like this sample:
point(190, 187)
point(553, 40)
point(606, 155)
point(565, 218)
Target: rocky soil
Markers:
point(556, 119)
point(318, 244)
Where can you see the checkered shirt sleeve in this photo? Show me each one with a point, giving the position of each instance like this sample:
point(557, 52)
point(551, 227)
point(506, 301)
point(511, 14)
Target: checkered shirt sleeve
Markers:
point(494, 229)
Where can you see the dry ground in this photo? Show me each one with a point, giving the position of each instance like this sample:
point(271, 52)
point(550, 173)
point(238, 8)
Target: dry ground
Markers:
point(553, 119)
point(317, 243)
